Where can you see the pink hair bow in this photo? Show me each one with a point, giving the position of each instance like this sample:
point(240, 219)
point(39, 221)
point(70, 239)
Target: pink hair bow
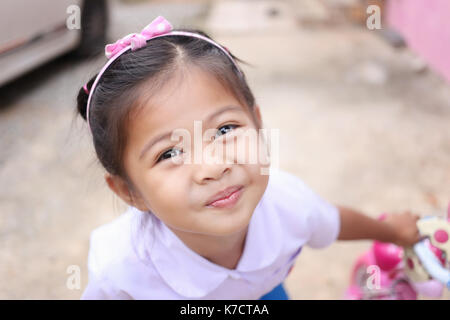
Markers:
point(157, 27)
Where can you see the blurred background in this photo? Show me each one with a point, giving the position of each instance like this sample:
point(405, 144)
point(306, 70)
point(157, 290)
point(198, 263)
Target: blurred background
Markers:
point(363, 115)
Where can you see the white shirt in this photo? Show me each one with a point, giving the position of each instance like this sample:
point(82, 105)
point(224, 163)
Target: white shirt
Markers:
point(136, 256)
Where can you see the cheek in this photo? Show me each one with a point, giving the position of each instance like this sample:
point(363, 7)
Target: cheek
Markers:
point(167, 192)
point(247, 146)
point(261, 181)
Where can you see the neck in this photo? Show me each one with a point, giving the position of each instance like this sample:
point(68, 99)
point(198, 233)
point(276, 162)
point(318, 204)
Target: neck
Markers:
point(225, 251)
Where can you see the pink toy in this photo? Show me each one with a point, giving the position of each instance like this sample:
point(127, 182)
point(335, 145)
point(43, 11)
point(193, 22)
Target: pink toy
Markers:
point(389, 272)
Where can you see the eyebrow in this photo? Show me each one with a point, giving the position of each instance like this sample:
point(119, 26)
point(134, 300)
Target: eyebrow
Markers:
point(167, 135)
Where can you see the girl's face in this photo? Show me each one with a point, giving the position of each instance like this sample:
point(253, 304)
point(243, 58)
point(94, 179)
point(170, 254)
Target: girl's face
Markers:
point(169, 182)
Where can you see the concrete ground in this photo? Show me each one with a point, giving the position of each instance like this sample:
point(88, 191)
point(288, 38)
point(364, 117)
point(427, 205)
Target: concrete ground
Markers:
point(363, 124)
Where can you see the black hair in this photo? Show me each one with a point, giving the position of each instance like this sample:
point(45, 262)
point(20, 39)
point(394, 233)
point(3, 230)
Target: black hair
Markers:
point(119, 87)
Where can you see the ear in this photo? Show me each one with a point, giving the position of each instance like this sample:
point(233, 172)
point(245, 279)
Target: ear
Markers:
point(120, 187)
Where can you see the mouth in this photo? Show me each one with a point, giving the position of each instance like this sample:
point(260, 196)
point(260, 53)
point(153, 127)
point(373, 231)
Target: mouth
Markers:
point(226, 198)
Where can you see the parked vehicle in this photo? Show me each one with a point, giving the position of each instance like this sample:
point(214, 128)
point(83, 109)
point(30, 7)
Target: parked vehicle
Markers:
point(33, 32)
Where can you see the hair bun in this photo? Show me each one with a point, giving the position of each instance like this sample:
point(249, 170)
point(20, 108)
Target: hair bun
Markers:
point(83, 96)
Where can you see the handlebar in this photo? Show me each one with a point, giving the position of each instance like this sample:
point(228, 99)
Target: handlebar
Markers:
point(431, 263)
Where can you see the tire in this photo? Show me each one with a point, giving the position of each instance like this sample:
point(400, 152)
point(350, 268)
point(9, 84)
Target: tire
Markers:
point(94, 24)
point(403, 290)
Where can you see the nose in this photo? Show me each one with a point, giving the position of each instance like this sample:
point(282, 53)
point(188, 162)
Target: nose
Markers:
point(205, 173)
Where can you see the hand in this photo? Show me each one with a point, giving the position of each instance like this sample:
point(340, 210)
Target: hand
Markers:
point(405, 228)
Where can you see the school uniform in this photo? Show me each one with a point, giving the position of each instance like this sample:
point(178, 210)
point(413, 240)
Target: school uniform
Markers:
point(136, 256)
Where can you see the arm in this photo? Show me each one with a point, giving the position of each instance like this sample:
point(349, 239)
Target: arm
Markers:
point(400, 229)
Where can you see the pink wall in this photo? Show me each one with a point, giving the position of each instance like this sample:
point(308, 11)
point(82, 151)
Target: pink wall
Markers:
point(425, 25)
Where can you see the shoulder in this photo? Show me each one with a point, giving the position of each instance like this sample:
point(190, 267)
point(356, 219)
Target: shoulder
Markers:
point(287, 188)
point(303, 214)
point(111, 242)
point(117, 246)
point(118, 268)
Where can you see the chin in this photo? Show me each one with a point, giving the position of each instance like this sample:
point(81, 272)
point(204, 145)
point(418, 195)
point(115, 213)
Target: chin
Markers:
point(226, 232)
point(232, 223)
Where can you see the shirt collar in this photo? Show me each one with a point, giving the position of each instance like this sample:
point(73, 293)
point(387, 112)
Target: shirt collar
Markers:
point(193, 276)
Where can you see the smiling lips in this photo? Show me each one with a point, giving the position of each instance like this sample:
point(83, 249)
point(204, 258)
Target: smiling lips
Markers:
point(226, 198)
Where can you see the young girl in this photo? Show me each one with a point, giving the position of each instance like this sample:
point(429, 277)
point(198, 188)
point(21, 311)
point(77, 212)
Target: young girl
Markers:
point(198, 229)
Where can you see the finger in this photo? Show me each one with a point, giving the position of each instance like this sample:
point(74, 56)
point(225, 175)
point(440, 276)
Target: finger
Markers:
point(422, 237)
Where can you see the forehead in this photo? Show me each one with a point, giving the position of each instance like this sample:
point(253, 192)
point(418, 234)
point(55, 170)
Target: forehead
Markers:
point(190, 96)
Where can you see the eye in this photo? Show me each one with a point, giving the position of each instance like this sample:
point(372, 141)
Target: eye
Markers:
point(173, 152)
point(224, 129)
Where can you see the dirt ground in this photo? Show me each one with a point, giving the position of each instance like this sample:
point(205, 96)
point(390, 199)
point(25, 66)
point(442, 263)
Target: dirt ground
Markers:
point(362, 123)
